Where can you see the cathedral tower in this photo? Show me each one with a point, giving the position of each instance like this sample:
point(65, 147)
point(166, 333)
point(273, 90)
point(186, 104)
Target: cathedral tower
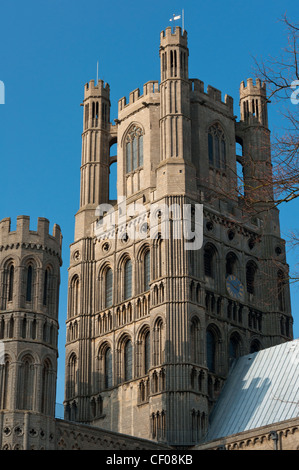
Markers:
point(30, 276)
point(155, 322)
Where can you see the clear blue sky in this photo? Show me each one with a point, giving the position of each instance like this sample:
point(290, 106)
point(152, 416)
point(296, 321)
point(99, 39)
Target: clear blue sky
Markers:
point(48, 51)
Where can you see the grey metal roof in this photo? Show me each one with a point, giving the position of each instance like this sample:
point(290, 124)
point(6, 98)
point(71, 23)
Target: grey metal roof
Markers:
point(262, 388)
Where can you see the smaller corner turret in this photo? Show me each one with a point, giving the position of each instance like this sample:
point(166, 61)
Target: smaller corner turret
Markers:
point(96, 105)
point(253, 102)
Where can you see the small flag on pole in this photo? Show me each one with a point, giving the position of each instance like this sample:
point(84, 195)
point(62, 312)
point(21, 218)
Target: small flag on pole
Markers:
point(174, 18)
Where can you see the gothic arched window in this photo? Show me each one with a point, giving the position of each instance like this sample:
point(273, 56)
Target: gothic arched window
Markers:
point(74, 297)
point(281, 290)
point(108, 288)
point(29, 284)
point(46, 286)
point(231, 263)
point(128, 279)
point(195, 340)
point(11, 282)
point(147, 352)
point(46, 388)
point(108, 368)
point(250, 276)
point(26, 384)
point(134, 149)
point(72, 375)
point(209, 260)
point(147, 273)
point(128, 360)
point(216, 147)
point(158, 342)
point(233, 348)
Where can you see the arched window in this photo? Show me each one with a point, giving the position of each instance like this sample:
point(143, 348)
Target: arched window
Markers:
point(72, 376)
point(26, 384)
point(231, 263)
point(33, 329)
point(108, 368)
point(250, 277)
point(216, 147)
point(255, 346)
point(147, 273)
point(24, 327)
point(46, 388)
point(195, 340)
point(281, 290)
point(209, 260)
point(143, 358)
point(147, 352)
point(134, 149)
point(128, 360)
point(158, 342)
point(211, 351)
point(11, 282)
point(11, 327)
point(233, 348)
point(29, 283)
point(75, 285)
point(128, 279)
point(46, 286)
point(108, 288)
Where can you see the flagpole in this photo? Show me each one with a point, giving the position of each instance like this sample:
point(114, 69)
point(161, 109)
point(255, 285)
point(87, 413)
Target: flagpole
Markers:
point(97, 71)
point(183, 26)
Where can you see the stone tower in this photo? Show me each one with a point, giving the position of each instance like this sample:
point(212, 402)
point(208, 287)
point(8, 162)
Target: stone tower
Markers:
point(30, 276)
point(154, 322)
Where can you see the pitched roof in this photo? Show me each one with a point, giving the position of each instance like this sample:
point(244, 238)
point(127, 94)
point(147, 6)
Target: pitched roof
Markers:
point(262, 388)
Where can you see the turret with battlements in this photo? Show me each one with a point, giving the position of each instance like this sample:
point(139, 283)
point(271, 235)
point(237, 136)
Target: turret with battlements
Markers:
point(30, 276)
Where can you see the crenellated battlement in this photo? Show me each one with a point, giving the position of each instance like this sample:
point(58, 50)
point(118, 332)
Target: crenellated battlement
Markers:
point(172, 38)
point(91, 90)
point(213, 94)
point(23, 235)
point(149, 88)
point(259, 88)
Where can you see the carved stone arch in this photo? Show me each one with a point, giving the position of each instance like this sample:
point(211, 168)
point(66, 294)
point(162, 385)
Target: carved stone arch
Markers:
point(102, 268)
point(30, 354)
point(144, 267)
point(74, 294)
point(213, 347)
point(102, 347)
point(132, 125)
point(143, 328)
point(102, 294)
point(45, 358)
point(125, 357)
point(11, 258)
point(255, 344)
point(211, 260)
point(232, 263)
point(142, 249)
point(124, 283)
point(31, 259)
point(222, 126)
point(142, 349)
point(235, 346)
point(218, 145)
